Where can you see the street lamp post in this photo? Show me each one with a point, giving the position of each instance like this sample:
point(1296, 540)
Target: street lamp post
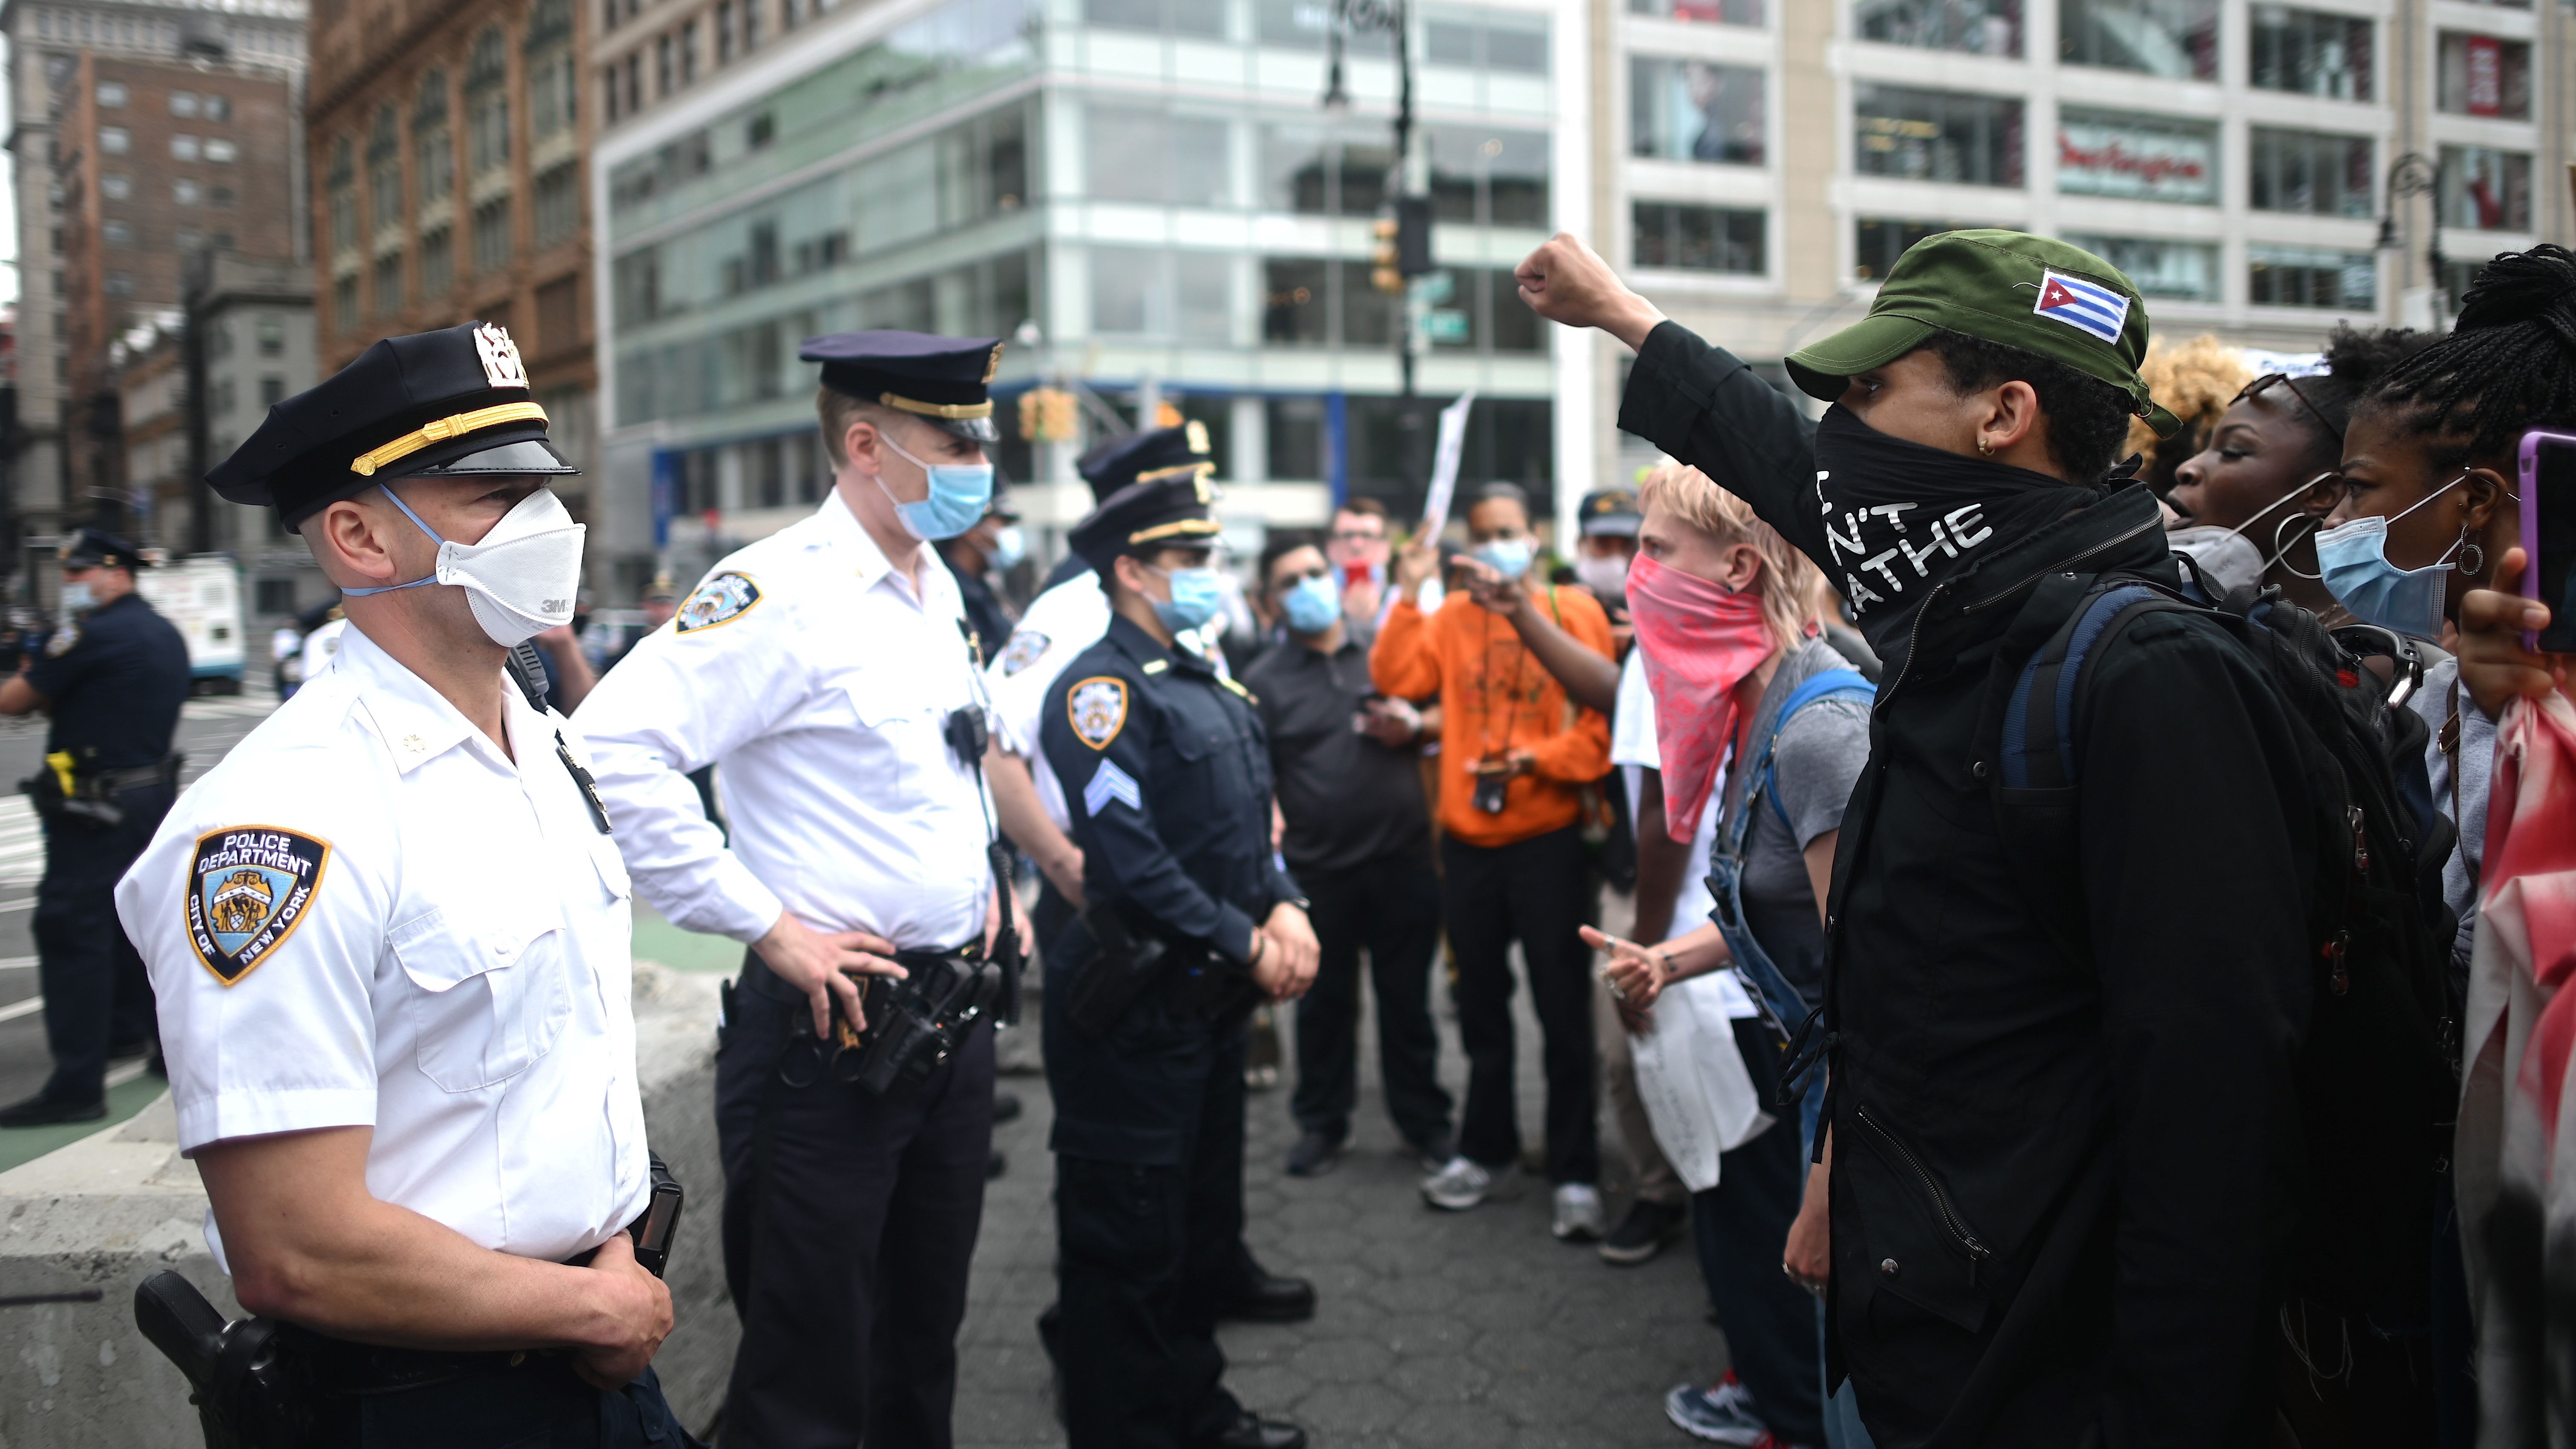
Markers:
point(2415, 174)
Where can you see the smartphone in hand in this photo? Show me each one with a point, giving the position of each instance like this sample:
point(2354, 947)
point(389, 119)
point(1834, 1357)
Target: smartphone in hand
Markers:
point(2548, 477)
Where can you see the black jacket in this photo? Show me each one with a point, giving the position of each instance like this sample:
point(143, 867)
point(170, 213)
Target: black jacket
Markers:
point(2061, 1178)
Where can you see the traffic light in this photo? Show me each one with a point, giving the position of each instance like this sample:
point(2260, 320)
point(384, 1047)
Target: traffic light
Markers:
point(1047, 415)
point(1412, 236)
point(1383, 274)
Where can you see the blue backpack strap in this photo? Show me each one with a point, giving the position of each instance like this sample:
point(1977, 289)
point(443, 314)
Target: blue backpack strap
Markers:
point(1826, 685)
point(2039, 722)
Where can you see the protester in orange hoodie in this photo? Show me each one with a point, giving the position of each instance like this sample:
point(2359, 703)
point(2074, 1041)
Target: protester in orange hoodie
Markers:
point(1515, 756)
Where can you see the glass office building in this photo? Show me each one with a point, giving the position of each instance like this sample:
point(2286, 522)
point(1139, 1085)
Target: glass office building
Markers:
point(1147, 197)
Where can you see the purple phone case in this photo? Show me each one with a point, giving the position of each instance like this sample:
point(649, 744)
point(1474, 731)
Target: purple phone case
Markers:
point(2527, 473)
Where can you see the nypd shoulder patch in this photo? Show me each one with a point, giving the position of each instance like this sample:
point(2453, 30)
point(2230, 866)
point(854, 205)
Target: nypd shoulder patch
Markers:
point(1023, 650)
point(1111, 783)
point(65, 639)
point(1098, 709)
point(249, 887)
point(722, 599)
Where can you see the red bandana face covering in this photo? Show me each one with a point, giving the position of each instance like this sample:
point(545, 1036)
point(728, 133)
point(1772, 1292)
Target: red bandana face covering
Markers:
point(1700, 642)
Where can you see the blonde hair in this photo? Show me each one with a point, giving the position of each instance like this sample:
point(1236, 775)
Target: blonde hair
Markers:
point(1791, 589)
point(2195, 381)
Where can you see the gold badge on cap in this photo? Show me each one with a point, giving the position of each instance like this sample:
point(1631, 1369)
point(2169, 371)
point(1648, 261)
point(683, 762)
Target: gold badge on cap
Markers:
point(501, 364)
point(993, 364)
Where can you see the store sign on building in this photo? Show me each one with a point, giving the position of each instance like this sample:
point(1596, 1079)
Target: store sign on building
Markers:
point(2109, 156)
point(2486, 76)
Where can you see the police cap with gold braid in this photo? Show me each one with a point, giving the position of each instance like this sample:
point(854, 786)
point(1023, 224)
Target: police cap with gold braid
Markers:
point(1167, 512)
point(937, 379)
point(450, 403)
point(1144, 457)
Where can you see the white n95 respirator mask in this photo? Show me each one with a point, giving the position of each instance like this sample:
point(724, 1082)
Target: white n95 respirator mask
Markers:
point(520, 580)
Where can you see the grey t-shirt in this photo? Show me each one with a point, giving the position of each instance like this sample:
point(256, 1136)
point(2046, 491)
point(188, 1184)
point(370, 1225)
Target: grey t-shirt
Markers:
point(1819, 758)
point(2477, 761)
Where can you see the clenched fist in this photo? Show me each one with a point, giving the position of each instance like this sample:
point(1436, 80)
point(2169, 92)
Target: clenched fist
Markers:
point(1565, 281)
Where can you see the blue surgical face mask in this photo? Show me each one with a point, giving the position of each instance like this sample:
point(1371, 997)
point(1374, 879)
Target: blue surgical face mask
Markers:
point(1009, 547)
point(958, 493)
point(1509, 557)
point(2353, 559)
point(1312, 606)
point(1197, 596)
point(77, 599)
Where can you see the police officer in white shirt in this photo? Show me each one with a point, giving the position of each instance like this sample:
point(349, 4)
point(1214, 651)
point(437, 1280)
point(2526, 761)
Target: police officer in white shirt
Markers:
point(829, 673)
point(389, 936)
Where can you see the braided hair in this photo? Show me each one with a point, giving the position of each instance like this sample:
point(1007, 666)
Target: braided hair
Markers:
point(2510, 363)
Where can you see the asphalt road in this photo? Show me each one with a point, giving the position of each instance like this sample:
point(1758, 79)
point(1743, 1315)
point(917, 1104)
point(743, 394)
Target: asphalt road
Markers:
point(208, 728)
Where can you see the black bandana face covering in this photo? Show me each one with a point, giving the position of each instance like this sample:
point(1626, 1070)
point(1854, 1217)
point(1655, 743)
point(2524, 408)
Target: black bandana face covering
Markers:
point(1901, 518)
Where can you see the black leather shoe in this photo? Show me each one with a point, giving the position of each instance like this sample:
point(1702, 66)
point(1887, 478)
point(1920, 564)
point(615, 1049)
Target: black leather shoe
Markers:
point(1315, 1154)
point(43, 1111)
point(1269, 1298)
point(1251, 1431)
point(1006, 1107)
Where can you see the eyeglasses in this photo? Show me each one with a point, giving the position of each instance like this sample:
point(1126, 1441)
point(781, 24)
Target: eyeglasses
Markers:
point(1358, 535)
point(2258, 385)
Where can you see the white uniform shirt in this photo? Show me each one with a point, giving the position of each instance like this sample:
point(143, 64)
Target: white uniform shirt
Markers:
point(321, 646)
point(369, 915)
point(821, 682)
point(1060, 623)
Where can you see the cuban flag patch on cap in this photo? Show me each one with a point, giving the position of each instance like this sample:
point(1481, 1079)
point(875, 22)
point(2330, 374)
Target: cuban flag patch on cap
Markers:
point(2088, 307)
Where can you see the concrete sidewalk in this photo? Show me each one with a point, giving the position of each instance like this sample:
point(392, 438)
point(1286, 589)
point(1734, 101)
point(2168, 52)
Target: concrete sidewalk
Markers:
point(1477, 1329)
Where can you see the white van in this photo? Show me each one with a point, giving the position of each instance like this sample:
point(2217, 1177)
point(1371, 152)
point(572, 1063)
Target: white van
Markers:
point(202, 596)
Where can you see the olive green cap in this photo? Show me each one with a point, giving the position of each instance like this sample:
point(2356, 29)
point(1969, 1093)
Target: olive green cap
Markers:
point(2009, 287)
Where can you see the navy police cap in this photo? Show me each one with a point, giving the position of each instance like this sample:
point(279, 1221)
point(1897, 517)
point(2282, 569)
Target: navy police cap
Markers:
point(93, 548)
point(939, 379)
point(1146, 457)
point(1170, 511)
point(1609, 513)
point(450, 403)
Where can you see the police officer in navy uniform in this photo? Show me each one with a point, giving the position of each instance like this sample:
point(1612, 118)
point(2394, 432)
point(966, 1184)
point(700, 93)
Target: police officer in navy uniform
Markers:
point(391, 935)
point(113, 677)
point(1189, 916)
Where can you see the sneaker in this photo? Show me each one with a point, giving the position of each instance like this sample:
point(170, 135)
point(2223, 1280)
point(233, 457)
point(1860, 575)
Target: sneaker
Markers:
point(1721, 1414)
point(1315, 1154)
point(1643, 1232)
point(1435, 1154)
point(1463, 1182)
point(1578, 1213)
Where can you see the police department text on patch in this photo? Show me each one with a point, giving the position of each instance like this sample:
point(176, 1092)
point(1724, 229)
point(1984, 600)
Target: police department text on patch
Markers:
point(250, 887)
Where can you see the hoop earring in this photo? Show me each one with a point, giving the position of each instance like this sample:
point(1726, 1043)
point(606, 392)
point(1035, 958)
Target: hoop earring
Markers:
point(2462, 563)
point(1986, 448)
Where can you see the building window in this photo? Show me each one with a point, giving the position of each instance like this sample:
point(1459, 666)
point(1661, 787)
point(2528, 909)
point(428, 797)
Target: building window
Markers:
point(221, 151)
point(274, 596)
point(2457, 277)
point(634, 82)
point(487, 104)
point(389, 284)
point(216, 108)
point(559, 316)
point(272, 335)
point(492, 235)
point(1938, 135)
point(120, 284)
point(558, 203)
point(2278, 276)
point(188, 238)
point(341, 186)
point(2310, 172)
point(2147, 158)
point(1178, 17)
point(115, 140)
point(1698, 238)
point(688, 52)
point(1979, 27)
point(115, 186)
point(2484, 76)
point(552, 105)
point(437, 261)
point(184, 104)
point(2311, 52)
point(384, 170)
point(1489, 177)
point(111, 95)
point(665, 76)
point(272, 391)
point(2176, 39)
point(1133, 154)
point(185, 148)
point(219, 197)
point(186, 192)
point(433, 152)
point(118, 233)
point(724, 32)
point(751, 25)
point(1309, 169)
point(1882, 239)
point(1704, 12)
point(1692, 110)
point(2182, 271)
point(1486, 40)
point(2484, 189)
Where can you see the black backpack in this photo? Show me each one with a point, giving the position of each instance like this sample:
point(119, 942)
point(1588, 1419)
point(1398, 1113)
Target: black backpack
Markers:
point(2377, 1074)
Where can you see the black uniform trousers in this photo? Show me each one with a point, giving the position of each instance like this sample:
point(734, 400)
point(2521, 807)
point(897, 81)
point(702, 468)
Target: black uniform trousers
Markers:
point(539, 1406)
point(1145, 1249)
point(849, 1223)
point(1390, 907)
point(1532, 890)
point(97, 994)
